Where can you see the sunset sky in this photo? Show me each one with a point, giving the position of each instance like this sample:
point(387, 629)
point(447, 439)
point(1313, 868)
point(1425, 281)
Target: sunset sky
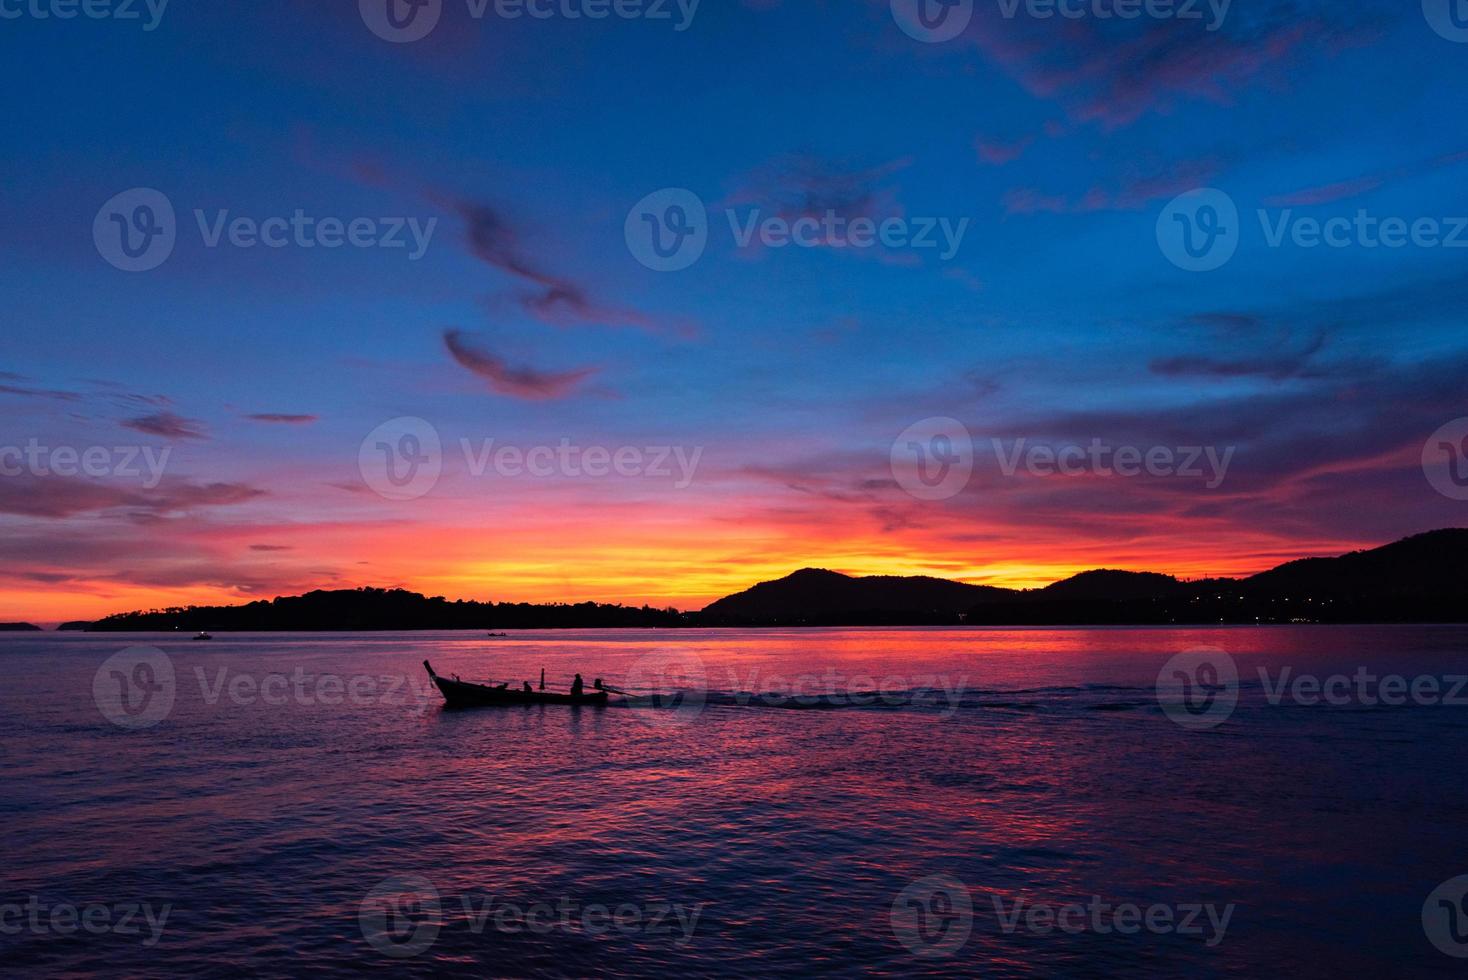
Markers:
point(787, 373)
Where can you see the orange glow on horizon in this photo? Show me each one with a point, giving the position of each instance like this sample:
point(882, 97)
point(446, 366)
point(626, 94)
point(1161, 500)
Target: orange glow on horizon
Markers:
point(685, 562)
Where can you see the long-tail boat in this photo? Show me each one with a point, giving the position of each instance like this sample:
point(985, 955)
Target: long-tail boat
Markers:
point(463, 694)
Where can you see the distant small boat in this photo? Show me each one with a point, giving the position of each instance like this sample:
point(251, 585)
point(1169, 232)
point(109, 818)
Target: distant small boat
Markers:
point(463, 694)
point(497, 636)
point(201, 635)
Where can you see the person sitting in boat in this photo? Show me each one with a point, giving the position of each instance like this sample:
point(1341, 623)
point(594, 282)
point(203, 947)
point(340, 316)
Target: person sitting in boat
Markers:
point(596, 683)
point(528, 688)
point(576, 687)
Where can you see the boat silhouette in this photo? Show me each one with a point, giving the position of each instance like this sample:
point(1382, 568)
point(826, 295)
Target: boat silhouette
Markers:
point(464, 694)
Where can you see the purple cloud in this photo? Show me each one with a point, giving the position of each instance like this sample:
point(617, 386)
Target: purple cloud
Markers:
point(553, 299)
point(59, 497)
point(168, 425)
point(517, 382)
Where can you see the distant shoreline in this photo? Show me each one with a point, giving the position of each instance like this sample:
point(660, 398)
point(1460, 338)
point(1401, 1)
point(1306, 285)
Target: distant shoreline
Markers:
point(772, 628)
point(1420, 580)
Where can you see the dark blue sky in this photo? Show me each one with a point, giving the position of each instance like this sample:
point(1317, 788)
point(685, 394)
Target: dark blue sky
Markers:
point(1057, 145)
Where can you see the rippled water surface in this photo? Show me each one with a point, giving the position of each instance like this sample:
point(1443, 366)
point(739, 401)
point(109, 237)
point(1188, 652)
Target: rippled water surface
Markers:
point(305, 803)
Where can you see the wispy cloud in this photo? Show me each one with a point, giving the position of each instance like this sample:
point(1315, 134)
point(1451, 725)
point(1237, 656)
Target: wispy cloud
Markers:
point(794, 187)
point(1277, 364)
point(168, 425)
point(1134, 190)
point(9, 387)
point(58, 497)
point(1112, 74)
point(553, 298)
point(515, 381)
point(1342, 190)
point(281, 418)
point(997, 154)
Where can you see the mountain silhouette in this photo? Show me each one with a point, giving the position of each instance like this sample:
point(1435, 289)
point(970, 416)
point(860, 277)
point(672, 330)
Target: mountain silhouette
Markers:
point(1418, 579)
point(1107, 584)
point(816, 592)
point(1421, 578)
point(1425, 564)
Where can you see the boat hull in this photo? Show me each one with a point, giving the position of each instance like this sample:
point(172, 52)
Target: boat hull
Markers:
point(463, 694)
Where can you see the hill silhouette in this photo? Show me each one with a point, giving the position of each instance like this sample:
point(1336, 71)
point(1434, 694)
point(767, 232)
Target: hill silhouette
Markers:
point(816, 593)
point(1418, 579)
point(1422, 578)
point(387, 609)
